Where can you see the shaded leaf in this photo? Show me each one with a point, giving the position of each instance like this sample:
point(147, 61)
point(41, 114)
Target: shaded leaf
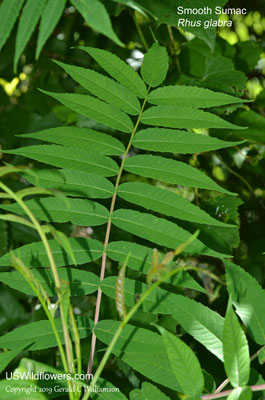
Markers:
point(9, 12)
point(27, 23)
point(141, 260)
point(147, 392)
point(49, 18)
point(96, 16)
point(157, 230)
point(39, 335)
point(80, 282)
point(7, 356)
point(34, 255)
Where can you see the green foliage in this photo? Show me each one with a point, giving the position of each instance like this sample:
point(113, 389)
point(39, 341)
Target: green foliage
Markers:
point(145, 159)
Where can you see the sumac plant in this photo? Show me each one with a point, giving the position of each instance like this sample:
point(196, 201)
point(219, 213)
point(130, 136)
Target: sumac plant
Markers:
point(127, 181)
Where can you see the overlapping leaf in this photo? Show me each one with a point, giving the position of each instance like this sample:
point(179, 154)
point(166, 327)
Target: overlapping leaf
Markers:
point(95, 109)
point(34, 255)
point(81, 138)
point(248, 297)
point(159, 231)
point(39, 335)
point(70, 158)
point(80, 282)
point(78, 211)
point(147, 392)
point(118, 69)
point(96, 16)
point(27, 23)
point(170, 171)
point(50, 16)
point(141, 260)
point(104, 88)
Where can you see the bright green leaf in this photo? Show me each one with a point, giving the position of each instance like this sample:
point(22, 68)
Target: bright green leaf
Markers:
point(236, 351)
point(240, 393)
point(147, 392)
point(184, 364)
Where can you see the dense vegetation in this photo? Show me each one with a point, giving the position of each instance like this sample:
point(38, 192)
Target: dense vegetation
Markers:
point(132, 200)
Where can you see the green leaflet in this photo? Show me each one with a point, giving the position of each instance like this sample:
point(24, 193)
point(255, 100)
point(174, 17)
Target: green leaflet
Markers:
point(184, 364)
point(158, 302)
point(9, 11)
point(159, 231)
point(142, 349)
point(205, 325)
point(39, 335)
point(3, 237)
point(70, 158)
point(7, 356)
point(72, 183)
point(118, 69)
point(155, 65)
point(248, 297)
point(34, 255)
point(165, 202)
point(50, 16)
point(174, 141)
point(95, 109)
point(171, 171)
point(96, 16)
point(81, 138)
point(191, 96)
point(141, 260)
point(236, 352)
point(147, 392)
point(104, 88)
point(241, 393)
point(51, 209)
point(27, 23)
point(80, 282)
point(104, 395)
point(183, 117)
